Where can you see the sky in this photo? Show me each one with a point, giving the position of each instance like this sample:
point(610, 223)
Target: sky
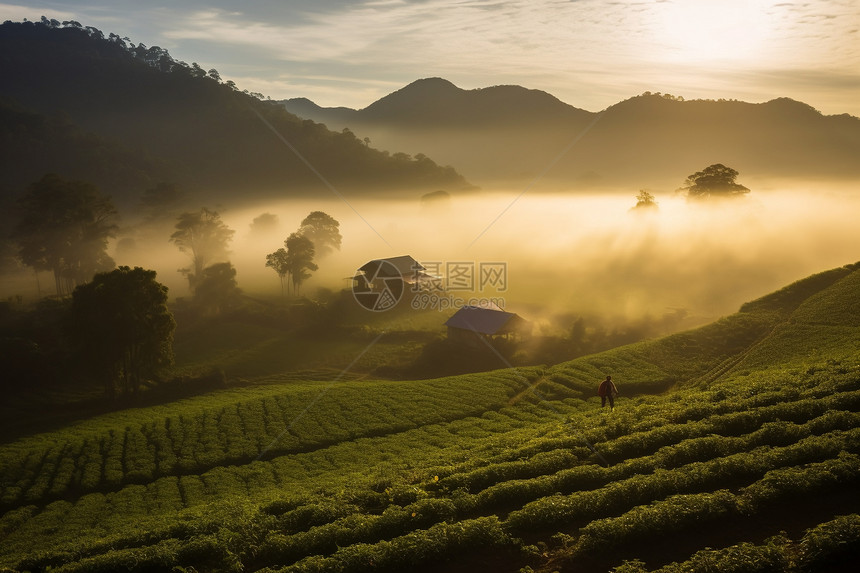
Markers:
point(588, 53)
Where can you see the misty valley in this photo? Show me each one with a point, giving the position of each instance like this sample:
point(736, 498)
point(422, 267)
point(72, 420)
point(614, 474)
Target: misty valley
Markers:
point(246, 334)
point(593, 267)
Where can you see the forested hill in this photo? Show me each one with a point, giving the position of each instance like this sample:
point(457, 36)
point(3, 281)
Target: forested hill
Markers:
point(96, 107)
point(511, 134)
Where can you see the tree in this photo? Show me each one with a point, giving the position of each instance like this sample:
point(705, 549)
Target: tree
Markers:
point(716, 180)
point(216, 288)
point(279, 261)
point(64, 228)
point(323, 230)
point(205, 237)
point(645, 200)
point(197, 71)
point(123, 327)
point(300, 257)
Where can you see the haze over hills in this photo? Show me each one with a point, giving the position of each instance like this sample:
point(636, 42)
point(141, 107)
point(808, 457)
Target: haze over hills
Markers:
point(127, 117)
point(92, 106)
point(506, 135)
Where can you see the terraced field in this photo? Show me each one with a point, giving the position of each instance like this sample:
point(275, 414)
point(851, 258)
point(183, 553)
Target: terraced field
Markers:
point(733, 447)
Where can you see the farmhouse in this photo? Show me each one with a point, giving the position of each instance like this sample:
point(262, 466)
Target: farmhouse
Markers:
point(470, 323)
point(403, 267)
point(381, 283)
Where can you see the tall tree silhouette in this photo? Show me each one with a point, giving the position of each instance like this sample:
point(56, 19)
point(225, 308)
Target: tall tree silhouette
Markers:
point(279, 262)
point(300, 259)
point(205, 237)
point(64, 228)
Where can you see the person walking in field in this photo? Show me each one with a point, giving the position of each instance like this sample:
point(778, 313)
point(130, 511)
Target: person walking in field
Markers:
point(608, 390)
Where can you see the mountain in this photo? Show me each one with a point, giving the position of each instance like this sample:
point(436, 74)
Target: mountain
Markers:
point(506, 135)
point(152, 118)
point(738, 441)
point(495, 134)
point(305, 108)
point(435, 102)
point(656, 135)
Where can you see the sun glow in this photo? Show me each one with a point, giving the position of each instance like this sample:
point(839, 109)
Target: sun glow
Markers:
point(692, 31)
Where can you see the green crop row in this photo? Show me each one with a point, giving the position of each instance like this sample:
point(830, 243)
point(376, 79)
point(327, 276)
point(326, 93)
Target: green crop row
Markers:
point(641, 488)
point(440, 542)
point(318, 545)
point(420, 547)
point(829, 546)
point(167, 502)
point(516, 492)
point(170, 494)
point(53, 466)
point(771, 425)
point(671, 516)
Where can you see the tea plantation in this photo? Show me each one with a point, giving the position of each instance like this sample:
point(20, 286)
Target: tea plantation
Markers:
point(733, 447)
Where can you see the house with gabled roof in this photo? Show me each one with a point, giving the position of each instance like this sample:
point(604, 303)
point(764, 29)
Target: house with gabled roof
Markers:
point(379, 284)
point(403, 266)
point(471, 323)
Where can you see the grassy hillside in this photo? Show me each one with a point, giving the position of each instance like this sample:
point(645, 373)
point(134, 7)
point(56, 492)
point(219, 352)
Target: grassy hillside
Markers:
point(733, 447)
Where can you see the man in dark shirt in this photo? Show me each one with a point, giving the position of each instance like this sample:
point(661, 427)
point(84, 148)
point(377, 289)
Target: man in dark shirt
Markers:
point(606, 390)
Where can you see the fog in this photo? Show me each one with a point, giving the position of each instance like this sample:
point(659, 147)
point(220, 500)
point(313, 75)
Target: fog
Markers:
point(564, 253)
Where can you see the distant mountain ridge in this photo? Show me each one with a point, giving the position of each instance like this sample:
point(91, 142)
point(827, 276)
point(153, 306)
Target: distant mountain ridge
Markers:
point(438, 102)
point(443, 103)
point(513, 134)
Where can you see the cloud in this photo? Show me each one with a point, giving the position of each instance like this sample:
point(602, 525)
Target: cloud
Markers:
point(475, 43)
point(588, 53)
point(399, 32)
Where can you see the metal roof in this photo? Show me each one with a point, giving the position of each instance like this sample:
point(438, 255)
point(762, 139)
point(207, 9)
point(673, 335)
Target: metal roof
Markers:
point(484, 320)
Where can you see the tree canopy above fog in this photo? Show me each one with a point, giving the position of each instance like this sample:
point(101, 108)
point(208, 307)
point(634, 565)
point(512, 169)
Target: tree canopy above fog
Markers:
point(323, 230)
point(203, 235)
point(645, 200)
point(716, 180)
